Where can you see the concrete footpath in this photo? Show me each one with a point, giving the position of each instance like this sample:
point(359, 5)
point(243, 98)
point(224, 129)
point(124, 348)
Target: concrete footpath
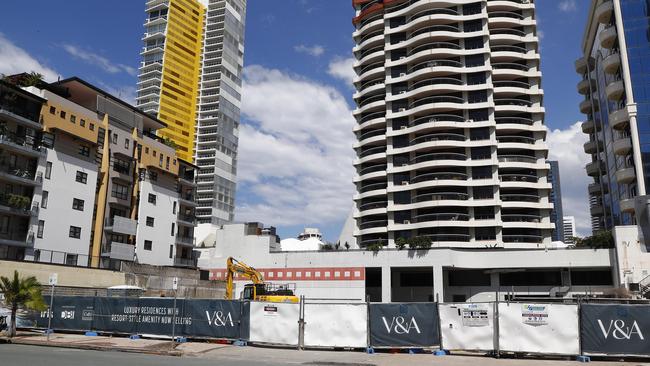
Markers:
point(251, 355)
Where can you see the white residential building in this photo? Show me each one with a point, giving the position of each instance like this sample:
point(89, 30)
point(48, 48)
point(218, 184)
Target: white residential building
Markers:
point(569, 229)
point(450, 124)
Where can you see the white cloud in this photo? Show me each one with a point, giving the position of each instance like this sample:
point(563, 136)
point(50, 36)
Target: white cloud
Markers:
point(99, 61)
point(566, 146)
point(315, 50)
point(15, 60)
point(568, 5)
point(296, 155)
point(343, 69)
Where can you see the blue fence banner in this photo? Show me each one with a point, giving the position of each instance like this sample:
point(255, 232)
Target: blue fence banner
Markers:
point(615, 329)
point(404, 325)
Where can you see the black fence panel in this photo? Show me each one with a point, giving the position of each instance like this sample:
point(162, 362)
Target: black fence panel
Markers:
point(404, 325)
point(213, 319)
point(619, 329)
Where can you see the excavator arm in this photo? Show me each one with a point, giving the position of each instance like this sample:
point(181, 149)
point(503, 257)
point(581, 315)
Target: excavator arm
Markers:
point(235, 266)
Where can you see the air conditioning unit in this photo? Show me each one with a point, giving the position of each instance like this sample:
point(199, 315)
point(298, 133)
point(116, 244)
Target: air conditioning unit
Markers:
point(470, 120)
point(405, 183)
point(407, 222)
point(403, 127)
point(402, 74)
point(402, 110)
point(402, 57)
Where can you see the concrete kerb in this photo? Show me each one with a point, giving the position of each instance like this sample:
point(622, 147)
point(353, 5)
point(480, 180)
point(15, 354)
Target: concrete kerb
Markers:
point(93, 347)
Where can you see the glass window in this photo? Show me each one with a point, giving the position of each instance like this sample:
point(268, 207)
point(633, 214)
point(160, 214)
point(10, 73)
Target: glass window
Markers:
point(41, 227)
point(46, 195)
point(173, 228)
point(81, 177)
point(75, 232)
point(48, 170)
point(147, 245)
point(73, 118)
point(62, 114)
point(152, 198)
point(77, 204)
point(126, 143)
point(71, 259)
point(4, 224)
point(84, 150)
point(92, 127)
point(120, 191)
point(150, 221)
point(52, 110)
point(82, 122)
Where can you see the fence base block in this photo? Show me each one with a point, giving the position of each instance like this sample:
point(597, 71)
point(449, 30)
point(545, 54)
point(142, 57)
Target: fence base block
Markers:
point(583, 359)
point(91, 334)
point(48, 331)
point(180, 340)
point(134, 337)
point(240, 343)
point(440, 352)
point(370, 351)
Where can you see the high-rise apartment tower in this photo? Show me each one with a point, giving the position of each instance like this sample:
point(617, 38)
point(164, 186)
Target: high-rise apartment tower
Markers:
point(190, 78)
point(556, 198)
point(450, 124)
point(615, 51)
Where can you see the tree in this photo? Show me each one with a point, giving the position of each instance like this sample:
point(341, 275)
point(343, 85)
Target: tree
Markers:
point(21, 292)
point(600, 240)
point(401, 243)
point(32, 79)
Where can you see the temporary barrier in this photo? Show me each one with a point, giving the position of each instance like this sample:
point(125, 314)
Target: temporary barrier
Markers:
point(155, 316)
point(404, 325)
point(467, 326)
point(336, 325)
point(539, 328)
point(274, 323)
point(615, 329)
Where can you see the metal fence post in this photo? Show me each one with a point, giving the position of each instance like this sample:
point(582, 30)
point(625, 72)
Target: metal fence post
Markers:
point(368, 344)
point(495, 324)
point(301, 324)
point(50, 313)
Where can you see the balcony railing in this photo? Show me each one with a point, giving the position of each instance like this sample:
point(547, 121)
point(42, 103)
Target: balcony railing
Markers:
point(442, 196)
point(185, 240)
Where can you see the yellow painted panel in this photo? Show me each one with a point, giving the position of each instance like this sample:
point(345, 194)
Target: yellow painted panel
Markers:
point(74, 123)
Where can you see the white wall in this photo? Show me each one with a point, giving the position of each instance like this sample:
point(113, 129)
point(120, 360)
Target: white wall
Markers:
point(632, 256)
point(59, 215)
point(160, 234)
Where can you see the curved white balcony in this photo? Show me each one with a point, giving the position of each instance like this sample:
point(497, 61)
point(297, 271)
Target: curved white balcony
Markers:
point(608, 37)
point(615, 90)
point(604, 11)
point(592, 147)
point(612, 63)
point(627, 205)
point(625, 175)
point(619, 119)
point(588, 126)
point(584, 64)
point(622, 145)
point(585, 86)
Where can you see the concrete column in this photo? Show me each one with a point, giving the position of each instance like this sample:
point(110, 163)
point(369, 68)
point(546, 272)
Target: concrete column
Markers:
point(438, 284)
point(385, 284)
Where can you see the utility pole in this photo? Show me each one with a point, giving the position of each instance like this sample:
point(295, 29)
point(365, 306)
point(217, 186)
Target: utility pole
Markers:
point(54, 277)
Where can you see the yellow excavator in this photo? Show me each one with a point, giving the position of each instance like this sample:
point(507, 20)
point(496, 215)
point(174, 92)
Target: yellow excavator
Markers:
point(258, 290)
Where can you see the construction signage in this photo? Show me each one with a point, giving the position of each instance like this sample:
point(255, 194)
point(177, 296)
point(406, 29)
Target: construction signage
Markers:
point(157, 316)
point(616, 329)
point(404, 325)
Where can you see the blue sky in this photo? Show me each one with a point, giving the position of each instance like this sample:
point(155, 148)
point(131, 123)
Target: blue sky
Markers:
point(295, 154)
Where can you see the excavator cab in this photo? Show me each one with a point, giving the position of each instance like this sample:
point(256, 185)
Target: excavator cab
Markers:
point(251, 291)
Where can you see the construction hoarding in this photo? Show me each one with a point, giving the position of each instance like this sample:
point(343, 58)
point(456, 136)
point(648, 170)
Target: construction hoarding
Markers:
point(539, 328)
point(619, 329)
point(336, 325)
point(404, 325)
point(154, 316)
point(467, 326)
point(274, 323)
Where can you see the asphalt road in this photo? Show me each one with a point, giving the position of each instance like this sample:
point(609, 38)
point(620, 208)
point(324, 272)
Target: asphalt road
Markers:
point(50, 356)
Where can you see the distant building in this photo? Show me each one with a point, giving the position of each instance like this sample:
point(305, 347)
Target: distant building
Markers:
point(556, 198)
point(191, 79)
point(569, 229)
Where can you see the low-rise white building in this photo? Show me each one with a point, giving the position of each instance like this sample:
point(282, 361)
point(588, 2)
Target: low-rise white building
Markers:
point(391, 275)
